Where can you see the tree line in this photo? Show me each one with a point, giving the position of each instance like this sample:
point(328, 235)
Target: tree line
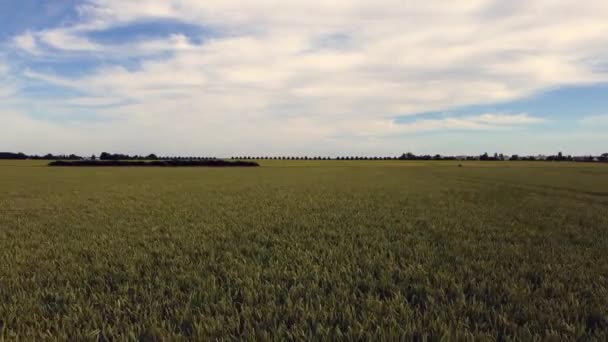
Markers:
point(154, 163)
point(49, 156)
point(119, 156)
point(410, 156)
point(405, 156)
point(102, 156)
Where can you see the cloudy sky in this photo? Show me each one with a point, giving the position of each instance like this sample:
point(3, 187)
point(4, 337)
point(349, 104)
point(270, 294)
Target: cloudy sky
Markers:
point(269, 77)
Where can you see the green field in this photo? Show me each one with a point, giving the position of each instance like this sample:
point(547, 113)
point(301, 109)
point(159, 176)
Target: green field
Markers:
point(367, 250)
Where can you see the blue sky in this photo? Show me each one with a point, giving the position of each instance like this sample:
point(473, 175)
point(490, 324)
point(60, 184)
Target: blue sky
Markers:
point(561, 107)
point(227, 78)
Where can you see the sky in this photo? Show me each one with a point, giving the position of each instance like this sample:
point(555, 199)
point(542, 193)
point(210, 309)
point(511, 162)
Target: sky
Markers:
point(330, 78)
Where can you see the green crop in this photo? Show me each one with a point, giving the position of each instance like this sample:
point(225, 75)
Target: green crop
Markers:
point(369, 250)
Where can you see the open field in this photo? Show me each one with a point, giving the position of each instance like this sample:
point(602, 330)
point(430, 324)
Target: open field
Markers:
point(305, 249)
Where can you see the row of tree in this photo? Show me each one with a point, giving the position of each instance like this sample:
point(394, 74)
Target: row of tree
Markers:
point(339, 158)
point(22, 156)
point(404, 156)
point(411, 156)
point(118, 156)
point(102, 156)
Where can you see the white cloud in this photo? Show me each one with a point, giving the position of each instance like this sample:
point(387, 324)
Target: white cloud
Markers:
point(5, 91)
point(595, 120)
point(480, 122)
point(67, 40)
point(506, 119)
point(4, 70)
point(27, 42)
point(7, 86)
point(86, 101)
point(274, 78)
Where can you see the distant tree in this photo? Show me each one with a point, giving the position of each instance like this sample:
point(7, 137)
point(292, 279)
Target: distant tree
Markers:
point(10, 155)
point(407, 156)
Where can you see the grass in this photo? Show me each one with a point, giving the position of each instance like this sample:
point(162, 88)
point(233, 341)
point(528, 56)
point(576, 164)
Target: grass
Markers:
point(365, 250)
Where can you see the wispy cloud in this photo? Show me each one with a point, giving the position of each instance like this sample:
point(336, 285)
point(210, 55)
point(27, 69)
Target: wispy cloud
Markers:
point(27, 42)
point(282, 72)
point(507, 119)
point(7, 87)
point(86, 101)
point(483, 122)
point(68, 40)
point(595, 120)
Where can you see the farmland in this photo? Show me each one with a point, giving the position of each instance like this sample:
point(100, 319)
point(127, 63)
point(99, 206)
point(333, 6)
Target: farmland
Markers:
point(305, 250)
